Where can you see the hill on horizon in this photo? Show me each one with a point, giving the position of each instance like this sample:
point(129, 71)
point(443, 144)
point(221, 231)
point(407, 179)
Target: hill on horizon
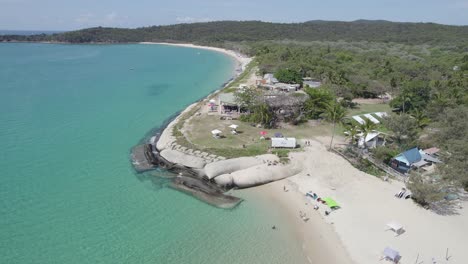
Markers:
point(235, 31)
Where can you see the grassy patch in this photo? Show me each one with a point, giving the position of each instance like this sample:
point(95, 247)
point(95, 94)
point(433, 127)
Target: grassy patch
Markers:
point(369, 108)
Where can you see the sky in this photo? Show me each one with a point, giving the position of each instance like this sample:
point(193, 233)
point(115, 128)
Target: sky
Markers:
point(77, 14)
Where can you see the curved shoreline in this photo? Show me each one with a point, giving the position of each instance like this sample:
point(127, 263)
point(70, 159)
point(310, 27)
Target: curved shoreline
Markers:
point(302, 235)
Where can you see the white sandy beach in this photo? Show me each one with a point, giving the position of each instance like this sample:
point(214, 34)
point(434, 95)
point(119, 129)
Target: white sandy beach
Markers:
point(242, 60)
point(368, 204)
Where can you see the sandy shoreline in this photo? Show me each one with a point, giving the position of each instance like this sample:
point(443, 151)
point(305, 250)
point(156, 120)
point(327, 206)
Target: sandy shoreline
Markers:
point(357, 231)
point(242, 60)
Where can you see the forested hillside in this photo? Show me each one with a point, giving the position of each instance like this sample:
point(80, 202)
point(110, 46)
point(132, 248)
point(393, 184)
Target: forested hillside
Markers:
point(361, 30)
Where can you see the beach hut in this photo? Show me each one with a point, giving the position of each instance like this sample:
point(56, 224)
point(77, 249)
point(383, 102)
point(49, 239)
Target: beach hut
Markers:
point(395, 227)
point(331, 203)
point(216, 133)
point(391, 254)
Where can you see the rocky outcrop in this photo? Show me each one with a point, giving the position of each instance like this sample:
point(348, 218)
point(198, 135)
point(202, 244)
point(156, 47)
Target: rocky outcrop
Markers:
point(231, 165)
point(258, 175)
point(205, 191)
point(186, 160)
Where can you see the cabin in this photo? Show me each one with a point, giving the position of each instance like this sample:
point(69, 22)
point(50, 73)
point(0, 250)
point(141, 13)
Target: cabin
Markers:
point(227, 104)
point(372, 140)
point(412, 159)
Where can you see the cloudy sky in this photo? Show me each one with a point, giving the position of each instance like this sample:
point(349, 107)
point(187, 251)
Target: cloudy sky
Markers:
point(76, 14)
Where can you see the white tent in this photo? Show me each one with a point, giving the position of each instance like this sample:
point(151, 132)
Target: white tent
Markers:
point(391, 254)
point(234, 126)
point(216, 132)
point(395, 227)
point(212, 101)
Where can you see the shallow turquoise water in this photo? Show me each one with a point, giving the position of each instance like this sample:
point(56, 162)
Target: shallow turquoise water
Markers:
point(69, 115)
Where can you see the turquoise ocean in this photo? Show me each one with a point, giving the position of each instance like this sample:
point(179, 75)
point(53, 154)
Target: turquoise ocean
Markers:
point(69, 115)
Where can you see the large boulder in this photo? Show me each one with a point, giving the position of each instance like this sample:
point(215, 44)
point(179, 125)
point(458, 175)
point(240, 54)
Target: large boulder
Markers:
point(183, 159)
point(217, 168)
point(258, 175)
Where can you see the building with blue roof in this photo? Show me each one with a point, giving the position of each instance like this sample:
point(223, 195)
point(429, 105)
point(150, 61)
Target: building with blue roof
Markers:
point(412, 158)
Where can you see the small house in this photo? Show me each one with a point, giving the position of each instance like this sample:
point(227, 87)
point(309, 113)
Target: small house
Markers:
point(228, 103)
point(282, 142)
point(412, 159)
point(372, 140)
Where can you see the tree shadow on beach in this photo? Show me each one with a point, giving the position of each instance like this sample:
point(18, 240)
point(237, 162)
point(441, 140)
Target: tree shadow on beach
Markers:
point(448, 208)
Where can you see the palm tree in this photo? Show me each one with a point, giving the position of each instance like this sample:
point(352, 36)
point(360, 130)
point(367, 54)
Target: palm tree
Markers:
point(421, 118)
point(334, 113)
point(406, 99)
point(366, 128)
point(353, 131)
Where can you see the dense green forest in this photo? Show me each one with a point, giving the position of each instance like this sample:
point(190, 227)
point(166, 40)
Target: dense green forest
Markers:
point(213, 32)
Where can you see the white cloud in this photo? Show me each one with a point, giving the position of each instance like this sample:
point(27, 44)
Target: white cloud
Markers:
point(188, 19)
point(107, 20)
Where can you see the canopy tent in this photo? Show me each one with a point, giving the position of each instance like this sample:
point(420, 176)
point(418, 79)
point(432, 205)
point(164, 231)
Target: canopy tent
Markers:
point(391, 254)
point(263, 133)
point(395, 227)
point(331, 203)
point(212, 101)
point(216, 132)
point(234, 126)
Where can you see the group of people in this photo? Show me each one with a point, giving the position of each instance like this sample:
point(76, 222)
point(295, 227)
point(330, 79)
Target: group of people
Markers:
point(307, 142)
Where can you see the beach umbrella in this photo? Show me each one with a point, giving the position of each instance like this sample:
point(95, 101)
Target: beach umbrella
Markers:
point(216, 132)
point(277, 134)
point(263, 133)
point(234, 126)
